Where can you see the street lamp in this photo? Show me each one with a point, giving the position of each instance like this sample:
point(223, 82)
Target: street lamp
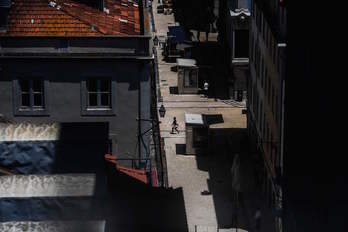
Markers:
point(162, 111)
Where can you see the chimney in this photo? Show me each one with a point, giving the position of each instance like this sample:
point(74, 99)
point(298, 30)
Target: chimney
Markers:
point(5, 6)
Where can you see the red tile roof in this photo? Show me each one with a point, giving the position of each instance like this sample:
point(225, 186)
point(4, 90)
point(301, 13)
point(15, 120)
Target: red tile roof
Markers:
point(72, 18)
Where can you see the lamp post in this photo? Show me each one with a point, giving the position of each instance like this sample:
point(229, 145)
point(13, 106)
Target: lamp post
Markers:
point(162, 111)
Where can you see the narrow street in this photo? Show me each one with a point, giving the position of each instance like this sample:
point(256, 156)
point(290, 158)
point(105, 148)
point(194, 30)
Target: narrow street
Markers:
point(196, 174)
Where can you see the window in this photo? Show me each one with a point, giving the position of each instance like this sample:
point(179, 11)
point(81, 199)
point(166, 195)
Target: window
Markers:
point(258, 62)
point(267, 133)
point(264, 125)
point(261, 114)
point(266, 40)
point(271, 46)
point(262, 67)
point(284, 15)
point(253, 9)
point(276, 109)
point(261, 23)
point(273, 100)
point(270, 144)
point(265, 76)
point(262, 79)
point(241, 43)
point(30, 96)
point(269, 90)
point(278, 62)
point(97, 96)
point(263, 29)
point(257, 106)
point(266, 85)
point(252, 48)
point(274, 51)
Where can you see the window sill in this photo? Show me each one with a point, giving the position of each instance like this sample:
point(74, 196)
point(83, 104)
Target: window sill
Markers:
point(98, 112)
point(31, 112)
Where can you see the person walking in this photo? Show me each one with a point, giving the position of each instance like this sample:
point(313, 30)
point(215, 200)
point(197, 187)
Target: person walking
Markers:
point(206, 87)
point(257, 218)
point(175, 126)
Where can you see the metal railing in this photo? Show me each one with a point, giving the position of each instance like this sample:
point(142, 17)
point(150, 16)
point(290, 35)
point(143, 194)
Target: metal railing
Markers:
point(158, 142)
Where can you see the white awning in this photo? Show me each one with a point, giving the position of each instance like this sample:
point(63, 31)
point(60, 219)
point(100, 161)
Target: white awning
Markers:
point(186, 62)
point(194, 119)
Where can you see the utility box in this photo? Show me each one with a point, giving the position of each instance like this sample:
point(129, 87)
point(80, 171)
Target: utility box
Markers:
point(187, 76)
point(196, 134)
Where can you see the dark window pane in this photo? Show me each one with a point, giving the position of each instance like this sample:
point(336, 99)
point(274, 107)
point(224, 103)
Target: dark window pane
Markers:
point(241, 43)
point(92, 85)
point(24, 85)
point(25, 100)
point(105, 99)
point(92, 99)
point(37, 86)
point(38, 100)
point(105, 86)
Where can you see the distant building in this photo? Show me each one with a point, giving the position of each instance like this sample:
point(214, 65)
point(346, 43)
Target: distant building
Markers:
point(266, 94)
point(237, 32)
point(78, 61)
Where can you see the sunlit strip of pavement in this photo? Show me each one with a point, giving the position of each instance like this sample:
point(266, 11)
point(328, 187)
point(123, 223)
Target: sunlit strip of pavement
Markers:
point(62, 185)
point(53, 226)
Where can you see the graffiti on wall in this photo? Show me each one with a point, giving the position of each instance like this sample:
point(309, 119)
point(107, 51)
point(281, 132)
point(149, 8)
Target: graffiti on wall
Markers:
point(29, 132)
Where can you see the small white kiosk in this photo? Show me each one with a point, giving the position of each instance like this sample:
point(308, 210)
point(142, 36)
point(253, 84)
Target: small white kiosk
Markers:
point(187, 76)
point(196, 134)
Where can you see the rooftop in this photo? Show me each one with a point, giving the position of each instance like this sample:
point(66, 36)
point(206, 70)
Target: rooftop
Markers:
point(72, 18)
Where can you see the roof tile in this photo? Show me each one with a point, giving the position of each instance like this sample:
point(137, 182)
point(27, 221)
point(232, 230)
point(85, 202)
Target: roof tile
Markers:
point(38, 18)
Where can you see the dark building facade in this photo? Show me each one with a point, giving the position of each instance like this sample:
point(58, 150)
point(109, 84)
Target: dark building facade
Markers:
point(60, 65)
point(315, 196)
point(287, 55)
point(266, 96)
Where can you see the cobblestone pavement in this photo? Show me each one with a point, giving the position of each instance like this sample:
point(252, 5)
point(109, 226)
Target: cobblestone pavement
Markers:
point(206, 180)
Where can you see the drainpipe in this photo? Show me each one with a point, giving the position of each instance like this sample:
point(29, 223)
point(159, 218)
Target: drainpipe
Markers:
point(141, 16)
point(283, 76)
